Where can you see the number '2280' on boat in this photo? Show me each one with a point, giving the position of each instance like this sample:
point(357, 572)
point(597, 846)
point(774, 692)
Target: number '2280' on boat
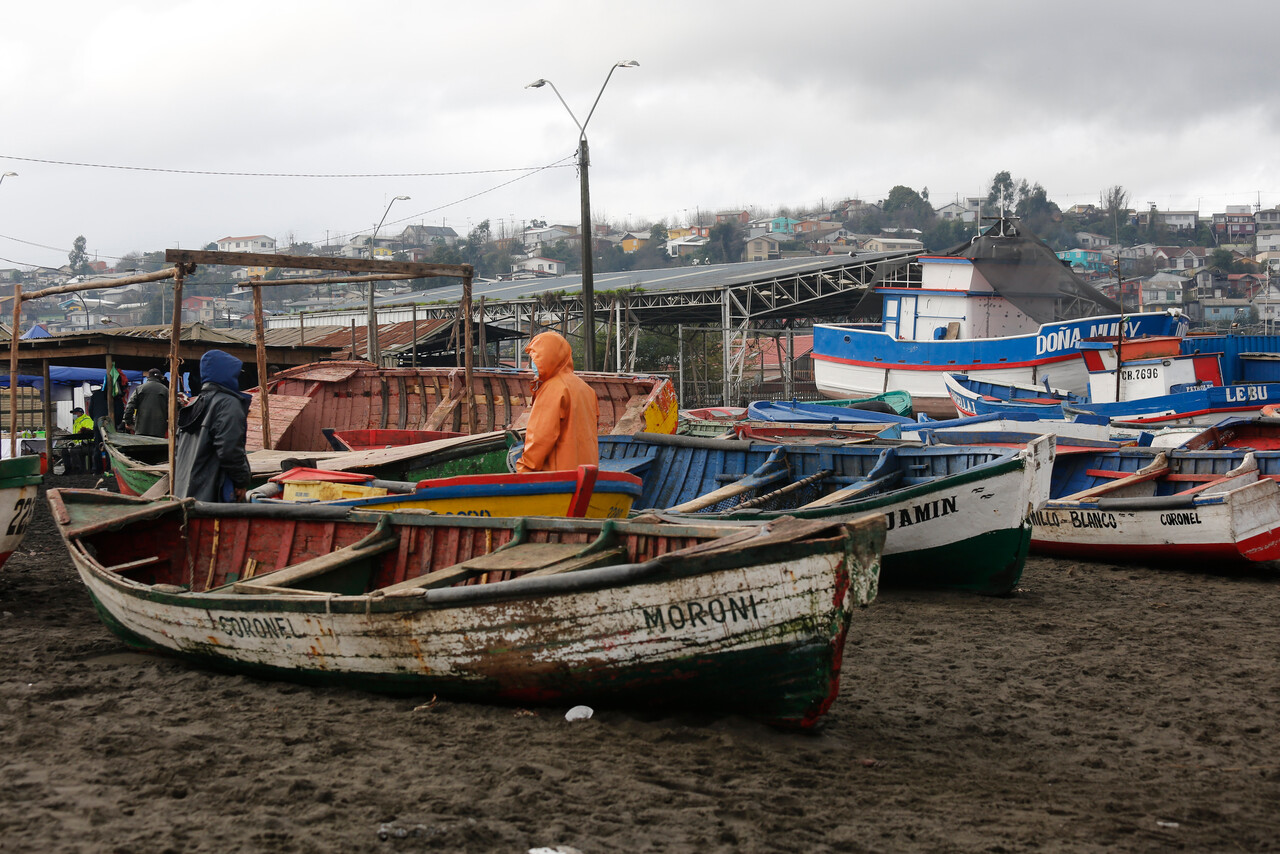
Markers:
point(748, 621)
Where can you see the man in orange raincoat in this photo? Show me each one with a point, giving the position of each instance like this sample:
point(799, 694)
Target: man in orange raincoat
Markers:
point(561, 434)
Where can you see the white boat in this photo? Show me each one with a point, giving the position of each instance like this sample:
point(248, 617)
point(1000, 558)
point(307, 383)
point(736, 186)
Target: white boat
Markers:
point(1175, 509)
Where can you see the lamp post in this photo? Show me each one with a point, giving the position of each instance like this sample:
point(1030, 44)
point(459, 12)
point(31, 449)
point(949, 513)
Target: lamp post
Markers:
point(8, 175)
point(374, 354)
point(584, 160)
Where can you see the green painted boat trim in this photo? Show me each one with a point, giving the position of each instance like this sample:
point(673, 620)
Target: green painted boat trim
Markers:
point(989, 563)
point(123, 468)
point(17, 472)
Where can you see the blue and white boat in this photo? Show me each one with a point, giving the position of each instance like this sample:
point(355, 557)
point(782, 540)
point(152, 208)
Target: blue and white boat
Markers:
point(793, 412)
point(1001, 308)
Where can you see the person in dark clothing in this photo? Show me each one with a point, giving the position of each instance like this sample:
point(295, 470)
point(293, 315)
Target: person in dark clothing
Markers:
point(148, 409)
point(211, 463)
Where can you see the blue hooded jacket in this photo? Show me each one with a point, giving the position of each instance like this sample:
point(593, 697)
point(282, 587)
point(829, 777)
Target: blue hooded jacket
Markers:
point(211, 459)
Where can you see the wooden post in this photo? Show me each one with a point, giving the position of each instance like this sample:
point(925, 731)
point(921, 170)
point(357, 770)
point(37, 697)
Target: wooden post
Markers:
point(469, 367)
point(13, 372)
point(48, 407)
point(353, 341)
point(413, 357)
point(175, 339)
point(260, 339)
point(106, 387)
point(302, 328)
point(481, 339)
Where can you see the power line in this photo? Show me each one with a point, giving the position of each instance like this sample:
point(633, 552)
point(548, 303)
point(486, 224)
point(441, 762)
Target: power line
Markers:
point(273, 174)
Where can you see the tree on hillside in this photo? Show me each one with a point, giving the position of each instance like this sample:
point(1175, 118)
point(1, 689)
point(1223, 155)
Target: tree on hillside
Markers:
point(79, 258)
point(1003, 192)
point(1040, 215)
point(906, 208)
point(724, 243)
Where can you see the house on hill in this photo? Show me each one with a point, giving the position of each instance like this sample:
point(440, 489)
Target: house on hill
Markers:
point(252, 243)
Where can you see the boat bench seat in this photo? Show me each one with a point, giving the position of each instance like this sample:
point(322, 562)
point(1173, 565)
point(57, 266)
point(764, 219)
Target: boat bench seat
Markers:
point(382, 539)
point(629, 465)
point(529, 559)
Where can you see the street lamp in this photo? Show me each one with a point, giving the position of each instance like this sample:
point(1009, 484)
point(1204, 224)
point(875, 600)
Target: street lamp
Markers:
point(374, 355)
point(584, 160)
point(8, 175)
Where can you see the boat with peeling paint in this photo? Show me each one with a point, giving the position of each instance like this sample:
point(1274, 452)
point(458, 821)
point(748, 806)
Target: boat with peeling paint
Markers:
point(958, 517)
point(585, 492)
point(1180, 507)
point(749, 621)
point(342, 396)
point(20, 480)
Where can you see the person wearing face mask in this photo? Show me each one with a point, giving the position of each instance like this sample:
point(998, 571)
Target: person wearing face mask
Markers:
point(564, 423)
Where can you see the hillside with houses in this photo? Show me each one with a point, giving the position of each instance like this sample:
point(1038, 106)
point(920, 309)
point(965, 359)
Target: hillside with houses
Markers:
point(1222, 269)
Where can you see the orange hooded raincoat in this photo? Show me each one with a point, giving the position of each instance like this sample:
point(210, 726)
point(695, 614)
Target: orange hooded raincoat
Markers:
point(563, 425)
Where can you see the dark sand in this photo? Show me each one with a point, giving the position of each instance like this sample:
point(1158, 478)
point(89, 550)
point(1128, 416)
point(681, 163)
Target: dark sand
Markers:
point(1098, 709)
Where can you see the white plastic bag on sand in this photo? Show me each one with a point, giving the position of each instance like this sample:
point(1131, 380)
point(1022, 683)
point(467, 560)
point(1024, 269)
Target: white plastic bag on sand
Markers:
point(578, 713)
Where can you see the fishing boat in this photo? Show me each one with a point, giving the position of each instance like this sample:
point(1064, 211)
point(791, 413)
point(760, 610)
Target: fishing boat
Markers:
point(1258, 434)
point(357, 395)
point(781, 432)
point(552, 611)
point(20, 480)
point(1086, 430)
point(584, 493)
point(130, 456)
point(796, 412)
point(1002, 307)
point(1178, 507)
point(368, 440)
point(710, 421)
point(482, 453)
point(957, 516)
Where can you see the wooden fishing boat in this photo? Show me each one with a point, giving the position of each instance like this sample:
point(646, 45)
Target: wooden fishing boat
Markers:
point(557, 611)
point(483, 453)
point(359, 396)
point(129, 456)
point(1179, 507)
point(820, 413)
point(1258, 434)
point(781, 432)
point(367, 440)
point(584, 493)
point(975, 396)
point(1199, 405)
point(19, 484)
point(957, 517)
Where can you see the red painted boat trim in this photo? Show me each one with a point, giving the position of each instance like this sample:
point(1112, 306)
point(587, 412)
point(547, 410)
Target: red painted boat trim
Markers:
point(1178, 416)
point(1263, 547)
point(950, 366)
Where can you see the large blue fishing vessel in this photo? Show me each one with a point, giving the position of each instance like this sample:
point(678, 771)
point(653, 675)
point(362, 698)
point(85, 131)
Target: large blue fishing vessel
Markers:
point(1002, 307)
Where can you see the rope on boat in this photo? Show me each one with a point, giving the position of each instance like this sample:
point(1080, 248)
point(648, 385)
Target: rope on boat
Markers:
point(791, 487)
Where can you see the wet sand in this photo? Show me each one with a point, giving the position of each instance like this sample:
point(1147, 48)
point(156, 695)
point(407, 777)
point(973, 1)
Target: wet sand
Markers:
point(1100, 708)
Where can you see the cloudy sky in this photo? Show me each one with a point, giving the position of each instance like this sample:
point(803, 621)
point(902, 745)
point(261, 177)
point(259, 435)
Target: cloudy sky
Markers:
point(151, 125)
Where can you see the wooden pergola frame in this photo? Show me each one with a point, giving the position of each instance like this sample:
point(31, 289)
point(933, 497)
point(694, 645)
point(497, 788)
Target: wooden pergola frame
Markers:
point(185, 262)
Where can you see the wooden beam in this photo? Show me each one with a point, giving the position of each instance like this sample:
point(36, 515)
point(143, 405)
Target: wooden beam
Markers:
point(99, 284)
point(309, 262)
point(48, 410)
point(175, 335)
point(13, 373)
point(260, 338)
point(328, 280)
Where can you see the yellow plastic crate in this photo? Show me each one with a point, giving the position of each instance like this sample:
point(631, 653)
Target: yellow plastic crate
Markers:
point(323, 490)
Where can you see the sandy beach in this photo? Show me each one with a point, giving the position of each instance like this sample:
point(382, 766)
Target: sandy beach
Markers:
point(1100, 708)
